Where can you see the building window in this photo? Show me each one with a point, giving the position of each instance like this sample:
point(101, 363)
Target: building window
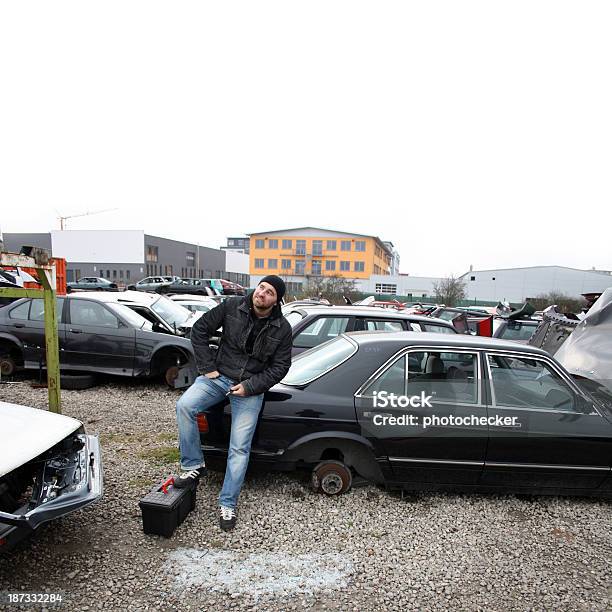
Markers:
point(360, 245)
point(317, 247)
point(387, 289)
point(273, 243)
point(345, 245)
point(190, 257)
point(152, 254)
point(331, 245)
point(259, 243)
point(272, 264)
point(287, 244)
point(300, 247)
point(127, 275)
point(345, 266)
point(259, 263)
point(330, 266)
point(300, 266)
point(316, 267)
point(114, 273)
point(286, 264)
point(472, 278)
point(359, 266)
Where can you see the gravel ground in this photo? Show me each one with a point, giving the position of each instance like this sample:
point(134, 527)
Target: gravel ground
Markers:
point(293, 549)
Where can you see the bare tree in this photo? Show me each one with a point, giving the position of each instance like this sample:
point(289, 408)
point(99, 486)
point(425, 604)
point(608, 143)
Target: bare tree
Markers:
point(333, 288)
point(449, 290)
point(564, 302)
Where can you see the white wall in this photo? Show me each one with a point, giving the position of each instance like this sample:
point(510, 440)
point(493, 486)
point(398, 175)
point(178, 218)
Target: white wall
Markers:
point(99, 246)
point(415, 285)
point(236, 262)
point(518, 284)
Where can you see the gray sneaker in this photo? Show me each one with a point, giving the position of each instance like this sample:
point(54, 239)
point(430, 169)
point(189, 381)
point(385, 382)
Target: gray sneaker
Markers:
point(227, 518)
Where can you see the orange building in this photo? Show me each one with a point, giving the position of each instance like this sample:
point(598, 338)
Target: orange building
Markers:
point(298, 253)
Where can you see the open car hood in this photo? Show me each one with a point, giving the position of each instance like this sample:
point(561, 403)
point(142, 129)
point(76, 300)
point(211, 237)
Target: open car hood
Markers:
point(587, 351)
point(27, 432)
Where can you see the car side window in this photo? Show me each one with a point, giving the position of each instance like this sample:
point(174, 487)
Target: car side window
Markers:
point(378, 325)
point(448, 377)
point(37, 310)
point(392, 380)
point(21, 311)
point(529, 383)
point(437, 329)
point(321, 330)
point(84, 312)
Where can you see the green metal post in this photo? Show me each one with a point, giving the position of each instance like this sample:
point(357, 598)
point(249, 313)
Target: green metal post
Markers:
point(51, 341)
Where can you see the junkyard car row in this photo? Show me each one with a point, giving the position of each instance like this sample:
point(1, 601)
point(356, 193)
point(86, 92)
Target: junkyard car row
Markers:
point(323, 417)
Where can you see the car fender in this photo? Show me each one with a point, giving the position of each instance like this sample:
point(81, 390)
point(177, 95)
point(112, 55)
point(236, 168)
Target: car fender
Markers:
point(13, 339)
point(357, 451)
point(184, 349)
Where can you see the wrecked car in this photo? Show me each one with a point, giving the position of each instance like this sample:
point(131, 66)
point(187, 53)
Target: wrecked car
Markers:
point(508, 418)
point(49, 467)
point(314, 324)
point(95, 337)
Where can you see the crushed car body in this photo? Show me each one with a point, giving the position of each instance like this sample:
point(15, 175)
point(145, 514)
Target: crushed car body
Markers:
point(587, 351)
point(49, 467)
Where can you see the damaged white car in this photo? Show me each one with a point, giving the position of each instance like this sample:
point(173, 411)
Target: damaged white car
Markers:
point(49, 467)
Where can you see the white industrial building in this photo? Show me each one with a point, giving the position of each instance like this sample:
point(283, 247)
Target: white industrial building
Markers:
point(521, 284)
point(411, 287)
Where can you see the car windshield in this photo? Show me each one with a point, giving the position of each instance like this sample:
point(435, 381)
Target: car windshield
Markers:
point(174, 314)
point(131, 316)
point(314, 363)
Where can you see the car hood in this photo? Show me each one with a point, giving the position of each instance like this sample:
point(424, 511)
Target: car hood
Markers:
point(27, 432)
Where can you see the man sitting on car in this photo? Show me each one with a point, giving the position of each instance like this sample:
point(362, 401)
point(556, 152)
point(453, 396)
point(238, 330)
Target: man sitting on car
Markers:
point(254, 354)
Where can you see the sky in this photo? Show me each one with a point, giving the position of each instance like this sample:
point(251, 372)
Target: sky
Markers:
point(466, 133)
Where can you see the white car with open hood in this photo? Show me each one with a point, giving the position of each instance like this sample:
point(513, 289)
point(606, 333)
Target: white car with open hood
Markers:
point(49, 467)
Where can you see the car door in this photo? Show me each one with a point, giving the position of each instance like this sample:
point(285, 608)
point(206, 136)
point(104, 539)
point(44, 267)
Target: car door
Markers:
point(317, 331)
point(97, 340)
point(32, 333)
point(558, 439)
point(441, 435)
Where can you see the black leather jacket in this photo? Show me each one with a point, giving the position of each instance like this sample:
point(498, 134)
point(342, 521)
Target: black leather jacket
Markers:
point(271, 356)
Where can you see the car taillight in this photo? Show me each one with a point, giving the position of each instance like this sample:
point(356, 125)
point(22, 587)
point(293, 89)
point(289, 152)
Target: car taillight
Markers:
point(2, 541)
point(202, 423)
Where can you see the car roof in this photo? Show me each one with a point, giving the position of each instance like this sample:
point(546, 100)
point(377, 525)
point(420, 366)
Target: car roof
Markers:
point(367, 310)
point(119, 297)
point(407, 338)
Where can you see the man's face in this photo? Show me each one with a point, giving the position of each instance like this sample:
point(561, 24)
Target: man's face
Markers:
point(264, 296)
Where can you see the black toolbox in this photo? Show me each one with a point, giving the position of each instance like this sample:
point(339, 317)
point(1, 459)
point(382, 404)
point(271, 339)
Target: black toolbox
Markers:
point(165, 507)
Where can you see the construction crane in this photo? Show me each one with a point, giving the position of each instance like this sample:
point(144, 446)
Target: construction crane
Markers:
point(85, 214)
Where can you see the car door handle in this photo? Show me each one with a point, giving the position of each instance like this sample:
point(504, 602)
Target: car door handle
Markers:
point(76, 331)
point(18, 324)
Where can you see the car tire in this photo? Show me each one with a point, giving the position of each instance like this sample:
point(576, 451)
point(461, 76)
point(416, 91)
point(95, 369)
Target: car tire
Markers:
point(331, 478)
point(76, 382)
point(7, 365)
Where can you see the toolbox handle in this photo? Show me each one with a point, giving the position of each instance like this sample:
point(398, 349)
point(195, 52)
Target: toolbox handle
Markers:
point(166, 484)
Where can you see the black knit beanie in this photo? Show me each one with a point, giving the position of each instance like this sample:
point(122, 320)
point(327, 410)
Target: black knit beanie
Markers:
point(278, 283)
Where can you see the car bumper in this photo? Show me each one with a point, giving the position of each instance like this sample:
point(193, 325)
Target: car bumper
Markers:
point(88, 487)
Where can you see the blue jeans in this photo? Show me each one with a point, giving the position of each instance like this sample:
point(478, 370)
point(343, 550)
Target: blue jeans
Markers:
point(201, 397)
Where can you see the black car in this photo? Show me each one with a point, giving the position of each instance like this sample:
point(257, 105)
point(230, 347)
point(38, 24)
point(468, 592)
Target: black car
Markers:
point(91, 283)
point(312, 325)
point(191, 286)
point(94, 337)
point(478, 414)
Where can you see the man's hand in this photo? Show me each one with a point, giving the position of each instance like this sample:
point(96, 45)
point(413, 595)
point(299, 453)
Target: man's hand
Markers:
point(238, 390)
point(214, 374)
